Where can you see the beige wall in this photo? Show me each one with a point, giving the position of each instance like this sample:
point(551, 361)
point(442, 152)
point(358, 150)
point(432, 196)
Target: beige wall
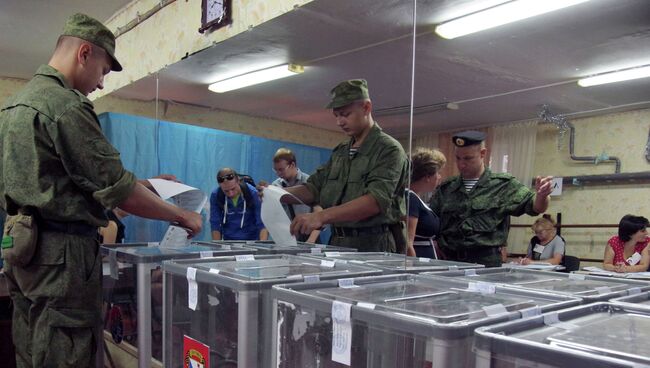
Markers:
point(261, 127)
point(622, 134)
point(172, 33)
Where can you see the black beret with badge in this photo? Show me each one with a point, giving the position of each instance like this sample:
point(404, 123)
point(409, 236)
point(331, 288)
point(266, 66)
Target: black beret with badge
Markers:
point(468, 138)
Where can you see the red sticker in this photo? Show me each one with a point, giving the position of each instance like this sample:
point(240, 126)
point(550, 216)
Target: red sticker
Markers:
point(195, 354)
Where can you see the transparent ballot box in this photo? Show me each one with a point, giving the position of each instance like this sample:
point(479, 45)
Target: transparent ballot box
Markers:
point(271, 247)
point(393, 321)
point(392, 263)
point(589, 288)
point(640, 300)
point(224, 304)
point(593, 335)
point(132, 290)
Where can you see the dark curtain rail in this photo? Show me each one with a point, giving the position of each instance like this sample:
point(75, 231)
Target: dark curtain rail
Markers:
point(139, 18)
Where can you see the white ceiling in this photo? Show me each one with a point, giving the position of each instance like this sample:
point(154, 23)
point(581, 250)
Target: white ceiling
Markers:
point(340, 39)
point(495, 76)
point(29, 29)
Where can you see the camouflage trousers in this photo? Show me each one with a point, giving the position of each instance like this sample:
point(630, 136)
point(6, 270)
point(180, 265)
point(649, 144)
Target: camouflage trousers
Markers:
point(384, 242)
point(487, 256)
point(57, 302)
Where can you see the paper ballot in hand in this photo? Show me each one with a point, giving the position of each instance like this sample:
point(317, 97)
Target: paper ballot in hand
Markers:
point(274, 217)
point(184, 196)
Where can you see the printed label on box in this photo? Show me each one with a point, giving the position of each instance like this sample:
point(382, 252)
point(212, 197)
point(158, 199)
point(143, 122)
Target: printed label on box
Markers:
point(311, 278)
point(341, 332)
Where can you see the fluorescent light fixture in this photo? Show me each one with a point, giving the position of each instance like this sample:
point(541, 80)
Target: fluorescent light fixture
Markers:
point(618, 76)
point(499, 15)
point(256, 77)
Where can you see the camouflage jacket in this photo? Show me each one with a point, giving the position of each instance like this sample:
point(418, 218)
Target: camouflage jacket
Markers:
point(479, 218)
point(379, 168)
point(54, 155)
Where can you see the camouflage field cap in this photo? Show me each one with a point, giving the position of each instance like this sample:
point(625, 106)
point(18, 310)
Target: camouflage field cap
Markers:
point(90, 29)
point(348, 92)
point(468, 138)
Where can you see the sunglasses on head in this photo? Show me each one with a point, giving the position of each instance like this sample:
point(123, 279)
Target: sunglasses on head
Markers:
point(229, 177)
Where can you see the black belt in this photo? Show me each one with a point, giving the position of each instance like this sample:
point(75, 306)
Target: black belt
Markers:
point(74, 228)
point(472, 253)
point(360, 231)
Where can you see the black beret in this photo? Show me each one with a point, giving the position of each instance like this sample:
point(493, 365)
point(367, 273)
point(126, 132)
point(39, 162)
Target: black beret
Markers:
point(468, 138)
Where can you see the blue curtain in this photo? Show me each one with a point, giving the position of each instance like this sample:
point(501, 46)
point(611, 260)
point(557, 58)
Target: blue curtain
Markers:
point(194, 154)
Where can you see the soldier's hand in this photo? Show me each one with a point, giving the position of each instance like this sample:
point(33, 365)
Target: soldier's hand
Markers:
point(543, 185)
point(260, 188)
point(306, 223)
point(192, 222)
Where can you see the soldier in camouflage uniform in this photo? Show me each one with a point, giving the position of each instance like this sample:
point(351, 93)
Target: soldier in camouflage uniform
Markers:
point(474, 206)
point(361, 187)
point(59, 172)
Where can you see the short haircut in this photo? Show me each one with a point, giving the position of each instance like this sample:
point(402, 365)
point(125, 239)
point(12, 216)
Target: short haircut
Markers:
point(226, 171)
point(426, 162)
point(70, 41)
point(284, 154)
point(630, 225)
point(545, 222)
point(60, 41)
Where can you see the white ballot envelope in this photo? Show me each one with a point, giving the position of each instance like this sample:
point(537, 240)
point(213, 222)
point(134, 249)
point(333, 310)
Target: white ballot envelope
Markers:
point(184, 196)
point(274, 217)
point(634, 259)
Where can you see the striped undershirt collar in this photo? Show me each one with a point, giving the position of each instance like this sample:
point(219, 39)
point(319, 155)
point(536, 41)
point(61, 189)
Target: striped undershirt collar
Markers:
point(469, 184)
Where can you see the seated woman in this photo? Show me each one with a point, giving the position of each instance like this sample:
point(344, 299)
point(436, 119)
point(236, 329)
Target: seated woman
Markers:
point(546, 246)
point(628, 252)
point(423, 223)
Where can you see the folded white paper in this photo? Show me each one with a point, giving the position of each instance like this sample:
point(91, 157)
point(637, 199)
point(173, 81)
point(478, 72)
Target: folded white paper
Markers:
point(274, 217)
point(184, 196)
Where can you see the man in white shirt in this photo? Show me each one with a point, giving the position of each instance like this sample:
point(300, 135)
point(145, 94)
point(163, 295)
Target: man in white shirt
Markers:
point(289, 175)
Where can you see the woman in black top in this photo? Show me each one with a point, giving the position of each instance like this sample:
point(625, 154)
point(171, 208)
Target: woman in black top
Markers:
point(423, 223)
point(114, 231)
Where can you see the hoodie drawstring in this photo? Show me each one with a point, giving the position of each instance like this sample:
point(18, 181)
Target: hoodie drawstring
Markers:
point(225, 212)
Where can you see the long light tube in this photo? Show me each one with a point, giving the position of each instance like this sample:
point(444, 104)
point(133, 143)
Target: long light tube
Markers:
point(499, 15)
point(618, 76)
point(256, 77)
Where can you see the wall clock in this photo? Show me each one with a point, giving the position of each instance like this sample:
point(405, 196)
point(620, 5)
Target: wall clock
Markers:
point(215, 14)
